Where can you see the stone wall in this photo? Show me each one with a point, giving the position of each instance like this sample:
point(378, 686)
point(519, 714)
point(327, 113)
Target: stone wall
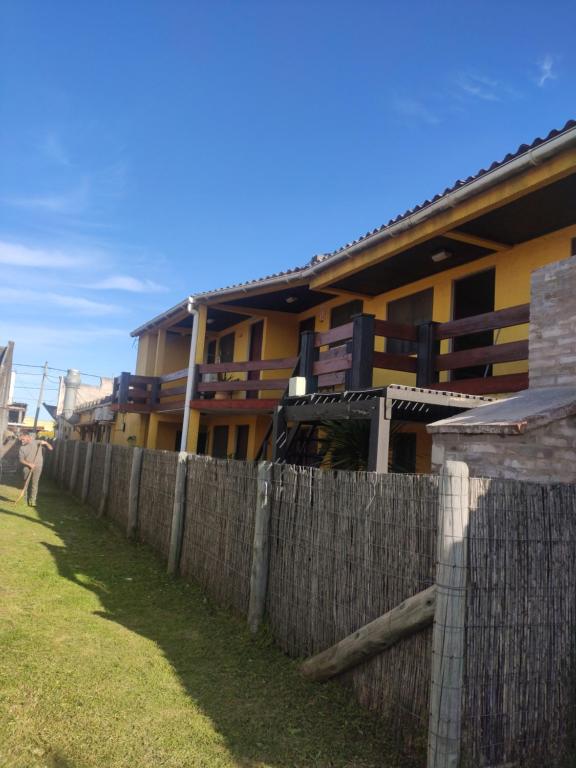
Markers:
point(544, 454)
point(552, 358)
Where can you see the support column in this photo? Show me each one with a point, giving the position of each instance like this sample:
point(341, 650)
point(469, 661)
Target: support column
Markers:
point(178, 511)
point(379, 439)
point(448, 647)
point(260, 551)
point(152, 436)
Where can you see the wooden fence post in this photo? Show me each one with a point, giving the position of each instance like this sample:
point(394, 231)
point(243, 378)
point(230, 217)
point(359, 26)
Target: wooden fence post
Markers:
point(87, 470)
point(178, 510)
point(260, 551)
point(133, 493)
point(105, 481)
point(62, 466)
point(55, 462)
point(448, 649)
point(75, 459)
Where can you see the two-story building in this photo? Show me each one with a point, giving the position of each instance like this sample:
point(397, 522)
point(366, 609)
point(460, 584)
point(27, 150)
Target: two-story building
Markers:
point(438, 297)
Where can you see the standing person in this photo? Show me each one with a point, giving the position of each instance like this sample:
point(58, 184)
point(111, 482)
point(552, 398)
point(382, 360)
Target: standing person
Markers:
point(32, 459)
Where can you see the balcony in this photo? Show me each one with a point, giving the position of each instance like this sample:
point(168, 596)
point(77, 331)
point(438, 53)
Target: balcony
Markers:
point(345, 357)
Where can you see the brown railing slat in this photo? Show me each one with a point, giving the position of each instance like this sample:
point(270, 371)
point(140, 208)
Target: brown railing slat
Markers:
point(332, 379)
point(392, 330)
point(235, 405)
point(497, 353)
point(141, 379)
point(248, 365)
point(341, 333)
point(171, 392)
point(241, 386)
point(489, 321)
point(491, 385)
point(174, 376)
point(395, 362)
point(337, 363)
point(137, 393)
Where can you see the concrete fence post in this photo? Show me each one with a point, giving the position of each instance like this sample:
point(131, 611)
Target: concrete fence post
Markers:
point(448, 649)
point(75, 460)
point(261, 548)
point(178, 512)
point(105, 481)
point(87, 470)
point(134, 492)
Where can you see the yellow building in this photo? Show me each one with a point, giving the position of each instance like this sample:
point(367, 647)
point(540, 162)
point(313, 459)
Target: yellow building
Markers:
point(447, 284)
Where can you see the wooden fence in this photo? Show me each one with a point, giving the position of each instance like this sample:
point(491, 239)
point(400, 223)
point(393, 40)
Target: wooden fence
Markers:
point(323, 553)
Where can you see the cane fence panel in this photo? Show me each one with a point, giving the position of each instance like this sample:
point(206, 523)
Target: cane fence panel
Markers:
point(521, 624)
point(117, 508)
point(219, 528)
point(96, 475)
point(156, 499)
point(345, 548)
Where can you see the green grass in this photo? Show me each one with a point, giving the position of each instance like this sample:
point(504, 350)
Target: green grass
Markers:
point(106, 661)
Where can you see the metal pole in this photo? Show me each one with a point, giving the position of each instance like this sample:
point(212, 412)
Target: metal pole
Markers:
point(41, 394)
point(191, 374)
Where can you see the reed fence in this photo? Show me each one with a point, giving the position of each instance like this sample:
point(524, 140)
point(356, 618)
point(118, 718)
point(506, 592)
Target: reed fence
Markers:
point(341, 549)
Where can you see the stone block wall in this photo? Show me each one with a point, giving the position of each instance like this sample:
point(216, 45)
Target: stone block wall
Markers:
point(552, 359)
point(546, 454)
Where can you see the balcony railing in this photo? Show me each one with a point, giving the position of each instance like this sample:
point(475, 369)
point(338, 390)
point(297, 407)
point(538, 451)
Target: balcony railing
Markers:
point(343, 356)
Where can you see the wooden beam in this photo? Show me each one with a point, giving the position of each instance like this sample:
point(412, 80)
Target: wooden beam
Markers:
point(234, 405)
point(482, 242)
point(277, 364)
point(490, 385)
point(242, 386)
point(411, 616)
point(362, 409)
point(260, 548)
point(510, 352)
point(488, 321)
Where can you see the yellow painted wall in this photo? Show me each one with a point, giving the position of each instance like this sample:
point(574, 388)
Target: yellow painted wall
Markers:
point(513, 270)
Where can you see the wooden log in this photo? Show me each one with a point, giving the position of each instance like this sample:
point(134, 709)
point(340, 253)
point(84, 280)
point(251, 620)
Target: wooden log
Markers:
point(105, 481)
point(75, 459)
point(134, 492)
point(260, 552)
point(405, 619)
point(448, 647)
point(87, 469)
point(178, 510)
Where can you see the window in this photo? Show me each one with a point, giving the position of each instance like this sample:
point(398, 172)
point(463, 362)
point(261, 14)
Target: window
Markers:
point(227, 348)
point(220, 442)
point(242, 433)
point(345, 312)
point(411, 310)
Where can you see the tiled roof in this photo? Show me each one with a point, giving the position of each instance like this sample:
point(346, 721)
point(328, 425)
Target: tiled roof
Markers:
point(522, 149)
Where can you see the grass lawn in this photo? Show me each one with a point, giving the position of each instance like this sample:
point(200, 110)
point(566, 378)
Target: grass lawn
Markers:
point(106, 661)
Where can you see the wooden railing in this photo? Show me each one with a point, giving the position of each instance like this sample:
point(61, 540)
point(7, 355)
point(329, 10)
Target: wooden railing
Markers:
point(343, 356)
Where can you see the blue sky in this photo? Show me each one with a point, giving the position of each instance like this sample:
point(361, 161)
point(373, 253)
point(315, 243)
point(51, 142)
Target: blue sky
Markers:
point(154, 149)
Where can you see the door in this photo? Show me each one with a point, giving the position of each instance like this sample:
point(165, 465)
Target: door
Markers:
point(473, 295)
point(220, 442)
point(255, 353)
point(242, 434)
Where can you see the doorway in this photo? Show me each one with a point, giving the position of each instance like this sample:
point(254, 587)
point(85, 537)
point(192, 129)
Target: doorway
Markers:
point(255, 353)
point(473, 295)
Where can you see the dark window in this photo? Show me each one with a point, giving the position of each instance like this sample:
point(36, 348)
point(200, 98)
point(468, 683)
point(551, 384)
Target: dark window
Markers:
point(345, 312)
point(473, 295)
point(178, 440)
point(211, 352)
point(202, 442)
point(403, 452)
point(227, 348)
point(242, 433)
point(411, 310)
point(220, 442)
point(573, 247)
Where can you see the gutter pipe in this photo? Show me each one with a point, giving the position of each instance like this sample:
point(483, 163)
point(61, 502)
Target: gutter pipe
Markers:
point(191, 371)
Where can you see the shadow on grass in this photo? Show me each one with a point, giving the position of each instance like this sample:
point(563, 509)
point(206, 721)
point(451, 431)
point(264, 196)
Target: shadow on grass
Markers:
point(253, 694)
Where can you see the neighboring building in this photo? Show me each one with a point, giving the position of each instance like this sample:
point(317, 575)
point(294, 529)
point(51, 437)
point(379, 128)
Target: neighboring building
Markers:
point(448, 283)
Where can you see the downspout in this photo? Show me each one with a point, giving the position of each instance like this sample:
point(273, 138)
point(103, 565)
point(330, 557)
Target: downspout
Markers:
point(191, 371)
